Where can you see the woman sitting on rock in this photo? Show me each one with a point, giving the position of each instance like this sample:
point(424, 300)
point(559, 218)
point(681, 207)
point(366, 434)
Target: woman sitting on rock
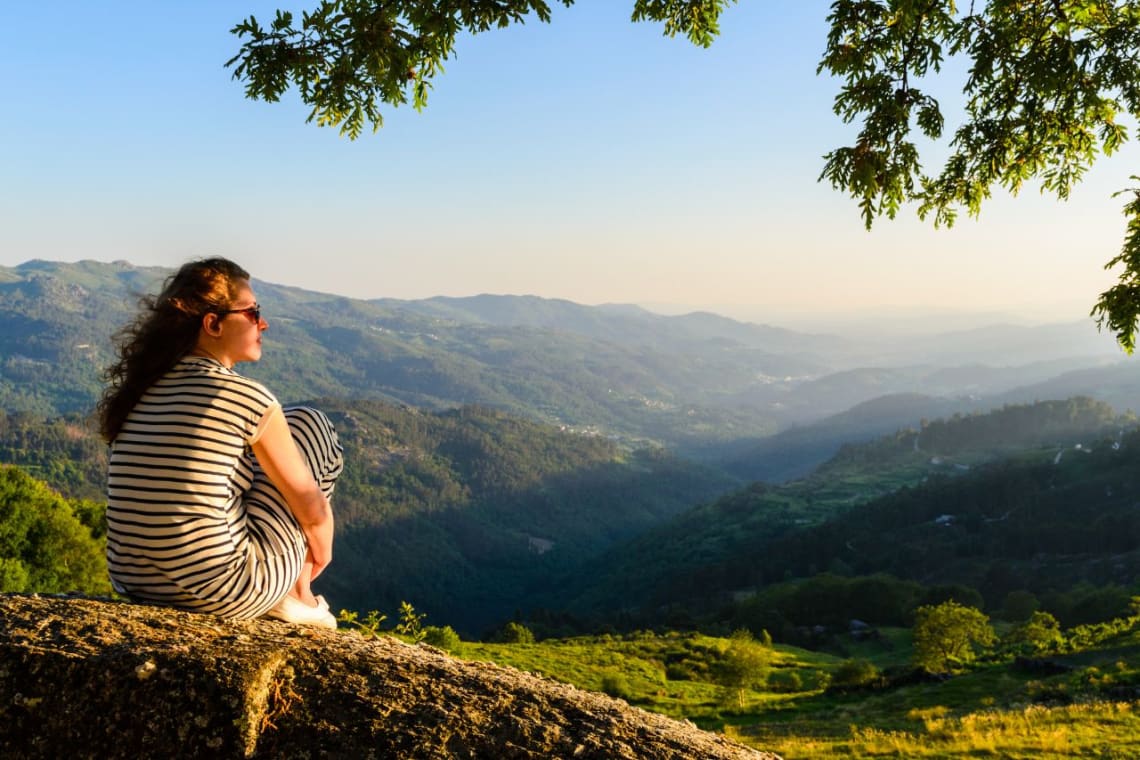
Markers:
point(218, 500)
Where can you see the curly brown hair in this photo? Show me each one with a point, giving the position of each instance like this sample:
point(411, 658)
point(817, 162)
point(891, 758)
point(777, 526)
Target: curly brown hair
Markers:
point(165, 330)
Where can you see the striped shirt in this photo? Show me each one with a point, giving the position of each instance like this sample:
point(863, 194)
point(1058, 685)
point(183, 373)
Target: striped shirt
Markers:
point(177, 531)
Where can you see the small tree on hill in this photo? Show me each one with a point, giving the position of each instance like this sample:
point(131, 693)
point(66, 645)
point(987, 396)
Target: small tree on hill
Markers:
point(744, 664)
point(513, 633)
point(948, 636)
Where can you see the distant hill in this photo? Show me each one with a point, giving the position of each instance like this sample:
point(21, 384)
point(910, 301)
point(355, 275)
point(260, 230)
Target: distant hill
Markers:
point(1056, 523)
point(656, 383)
point(701, 384)
point(968, 386)
point(630, 325)
point(705, 555)
point(1005, 345)
point(796, 451)
point(1117, 384)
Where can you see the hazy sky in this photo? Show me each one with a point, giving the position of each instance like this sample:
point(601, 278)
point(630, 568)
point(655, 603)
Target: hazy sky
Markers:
point(590, 159)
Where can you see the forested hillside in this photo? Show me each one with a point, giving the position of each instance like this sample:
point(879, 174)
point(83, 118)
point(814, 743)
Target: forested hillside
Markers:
point(795, 452)
point(62, 451)
point(468, 514)
point(995, 470)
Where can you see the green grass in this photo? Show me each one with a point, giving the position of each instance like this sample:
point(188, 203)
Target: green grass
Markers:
point(993, 711)
point(1102, 730)
point(635, 668)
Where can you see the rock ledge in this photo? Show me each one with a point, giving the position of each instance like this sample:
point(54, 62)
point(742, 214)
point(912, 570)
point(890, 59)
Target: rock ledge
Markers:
point(84, 677)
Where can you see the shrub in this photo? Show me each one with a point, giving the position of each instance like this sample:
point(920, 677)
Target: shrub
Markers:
point(513, 633)
point(785, 681)
point(856, 673)
point(1040, 634)
point(370, 626)
point(686, 670)
point(444, 638)
point(411, 622)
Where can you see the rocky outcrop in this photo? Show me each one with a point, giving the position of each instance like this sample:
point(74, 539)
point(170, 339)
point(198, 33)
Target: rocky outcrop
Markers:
point(89, 678)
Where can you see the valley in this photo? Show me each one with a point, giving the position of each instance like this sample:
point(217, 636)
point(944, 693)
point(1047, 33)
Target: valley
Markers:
point(605, 471)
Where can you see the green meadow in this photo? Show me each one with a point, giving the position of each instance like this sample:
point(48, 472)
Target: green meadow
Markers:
point(993, 709)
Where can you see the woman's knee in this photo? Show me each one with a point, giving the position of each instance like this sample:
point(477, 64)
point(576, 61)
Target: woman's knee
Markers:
point(316, 438)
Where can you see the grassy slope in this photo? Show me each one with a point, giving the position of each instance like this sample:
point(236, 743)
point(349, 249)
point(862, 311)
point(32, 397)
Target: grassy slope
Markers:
point(992, 711)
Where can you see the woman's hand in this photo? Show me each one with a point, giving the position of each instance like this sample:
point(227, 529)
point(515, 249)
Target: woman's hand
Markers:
point(320, 537)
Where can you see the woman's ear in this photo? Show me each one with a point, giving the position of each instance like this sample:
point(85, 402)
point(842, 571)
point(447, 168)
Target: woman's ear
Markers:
point(212, 324)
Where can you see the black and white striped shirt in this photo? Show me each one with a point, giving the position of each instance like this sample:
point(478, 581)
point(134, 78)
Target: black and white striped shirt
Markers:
point(176, 528)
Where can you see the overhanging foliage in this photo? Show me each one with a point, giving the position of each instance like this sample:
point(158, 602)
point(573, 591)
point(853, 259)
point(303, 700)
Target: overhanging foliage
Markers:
point(1047, 88)
point(347, 57)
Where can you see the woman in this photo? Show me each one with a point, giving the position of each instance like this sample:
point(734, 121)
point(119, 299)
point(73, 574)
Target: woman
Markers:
point(218, 500)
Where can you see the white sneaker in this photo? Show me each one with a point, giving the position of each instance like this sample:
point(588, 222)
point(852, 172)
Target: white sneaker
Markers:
point(293, 610)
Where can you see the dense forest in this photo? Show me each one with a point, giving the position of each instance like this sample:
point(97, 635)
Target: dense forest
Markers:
point(1023, 498)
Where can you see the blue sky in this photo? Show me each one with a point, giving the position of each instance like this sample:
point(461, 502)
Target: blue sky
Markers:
point(590, 159)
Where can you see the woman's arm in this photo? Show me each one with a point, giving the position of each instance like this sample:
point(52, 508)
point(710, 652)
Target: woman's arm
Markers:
point(282, 462)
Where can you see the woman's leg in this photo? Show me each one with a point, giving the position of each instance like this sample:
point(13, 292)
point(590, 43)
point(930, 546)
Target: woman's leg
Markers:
point(316, 439)
point(303, 589)
point(270, 516)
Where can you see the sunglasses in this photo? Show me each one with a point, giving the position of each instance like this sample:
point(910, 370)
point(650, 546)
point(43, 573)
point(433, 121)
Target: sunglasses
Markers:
point(253, 312)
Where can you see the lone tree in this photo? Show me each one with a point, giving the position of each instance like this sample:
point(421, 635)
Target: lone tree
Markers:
point(948, 635)
point(1047, 86)
point(744, 664)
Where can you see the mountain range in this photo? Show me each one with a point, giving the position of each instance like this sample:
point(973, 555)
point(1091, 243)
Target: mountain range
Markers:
point(509, 453)
point(700, 384)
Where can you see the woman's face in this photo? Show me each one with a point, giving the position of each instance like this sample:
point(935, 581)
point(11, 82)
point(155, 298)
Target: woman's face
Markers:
point(234, 336)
